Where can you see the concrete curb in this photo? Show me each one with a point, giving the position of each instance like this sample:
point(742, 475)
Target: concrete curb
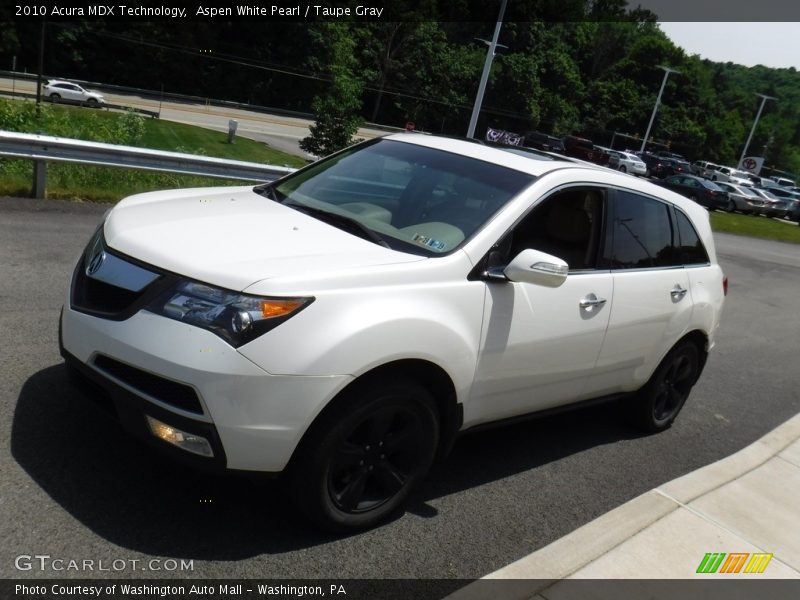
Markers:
point(576, 550)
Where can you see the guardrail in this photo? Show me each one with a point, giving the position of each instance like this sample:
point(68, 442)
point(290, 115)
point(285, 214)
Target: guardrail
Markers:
point(42, 149)
point(150, 113)
point(187, 99)
point(157, 95)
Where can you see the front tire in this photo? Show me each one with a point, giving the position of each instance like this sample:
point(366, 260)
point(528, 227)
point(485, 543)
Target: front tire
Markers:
point(657, 404)
point(360, 460)
point(55, 97)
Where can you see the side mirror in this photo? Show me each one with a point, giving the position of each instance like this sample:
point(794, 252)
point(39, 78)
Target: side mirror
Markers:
point(540, 268)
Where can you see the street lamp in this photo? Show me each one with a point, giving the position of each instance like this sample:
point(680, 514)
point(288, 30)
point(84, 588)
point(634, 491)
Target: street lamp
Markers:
point(753, 130)
point(667, 71)
point(487, 66)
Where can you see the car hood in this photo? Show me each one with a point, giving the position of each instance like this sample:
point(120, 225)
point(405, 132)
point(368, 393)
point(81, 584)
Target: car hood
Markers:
point(233, 237)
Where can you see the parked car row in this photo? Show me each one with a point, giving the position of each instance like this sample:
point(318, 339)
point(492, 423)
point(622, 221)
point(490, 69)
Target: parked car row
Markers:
point(704, 192)
point(709, 184)
point(748, 199)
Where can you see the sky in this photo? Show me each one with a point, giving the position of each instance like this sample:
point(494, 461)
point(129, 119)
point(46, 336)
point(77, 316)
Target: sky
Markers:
point(769, 44)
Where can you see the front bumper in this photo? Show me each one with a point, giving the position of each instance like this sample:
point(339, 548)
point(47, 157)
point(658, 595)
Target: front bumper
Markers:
point(130, 410)
point(252, 419)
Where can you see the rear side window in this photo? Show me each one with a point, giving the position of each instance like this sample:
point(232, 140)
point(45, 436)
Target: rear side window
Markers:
point(642, 234)
point(690, 250)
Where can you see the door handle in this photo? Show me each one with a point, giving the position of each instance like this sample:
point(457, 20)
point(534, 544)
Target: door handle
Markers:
point(678, 292)
point(589, 301)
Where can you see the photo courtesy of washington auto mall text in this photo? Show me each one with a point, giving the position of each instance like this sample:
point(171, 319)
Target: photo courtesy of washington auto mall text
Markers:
point(198, 590)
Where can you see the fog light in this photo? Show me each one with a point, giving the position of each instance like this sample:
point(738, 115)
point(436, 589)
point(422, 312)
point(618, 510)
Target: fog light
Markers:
point(183, 440)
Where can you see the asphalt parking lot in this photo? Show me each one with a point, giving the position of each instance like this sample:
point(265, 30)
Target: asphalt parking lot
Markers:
point(75, 487)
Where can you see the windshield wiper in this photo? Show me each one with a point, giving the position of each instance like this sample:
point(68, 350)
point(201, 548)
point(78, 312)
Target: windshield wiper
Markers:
point(341, 221)
point(267, 189)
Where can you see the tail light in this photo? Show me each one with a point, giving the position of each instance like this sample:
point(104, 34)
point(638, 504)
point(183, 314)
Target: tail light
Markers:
point(725, 285)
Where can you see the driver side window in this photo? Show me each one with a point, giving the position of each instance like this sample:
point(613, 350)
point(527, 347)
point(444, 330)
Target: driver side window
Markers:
point(567, 225)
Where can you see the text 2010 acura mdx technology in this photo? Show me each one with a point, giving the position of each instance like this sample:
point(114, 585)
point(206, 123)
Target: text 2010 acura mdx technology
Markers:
point(342, 324)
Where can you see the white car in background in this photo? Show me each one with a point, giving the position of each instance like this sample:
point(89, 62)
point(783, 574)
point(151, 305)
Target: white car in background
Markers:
point(344, 323)
point(731, 175)
point(56, 91)
point(627, 162)
point(703, 168)
point(784, 182)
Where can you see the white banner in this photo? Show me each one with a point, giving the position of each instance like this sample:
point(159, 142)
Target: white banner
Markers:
point(752, 164)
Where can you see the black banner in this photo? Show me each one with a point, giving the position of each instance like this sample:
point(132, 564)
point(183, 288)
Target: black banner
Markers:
point(713, 588)
point(386, 11)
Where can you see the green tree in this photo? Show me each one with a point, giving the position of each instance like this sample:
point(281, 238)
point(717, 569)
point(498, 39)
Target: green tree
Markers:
point(337, 111)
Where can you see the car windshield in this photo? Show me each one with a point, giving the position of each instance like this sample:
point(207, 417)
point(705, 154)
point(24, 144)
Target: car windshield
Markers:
point(747, 191)
point(409, 197)
point(765, 194)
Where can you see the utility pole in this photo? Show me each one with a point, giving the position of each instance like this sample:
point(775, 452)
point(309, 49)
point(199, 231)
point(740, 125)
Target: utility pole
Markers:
point(667, 71)
point(753, 130)
point(487, 66)
point(41, 65)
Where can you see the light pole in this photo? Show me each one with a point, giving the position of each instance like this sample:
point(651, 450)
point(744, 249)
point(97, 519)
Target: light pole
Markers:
point(667, 71)
point(753, 130)
point(487, 66)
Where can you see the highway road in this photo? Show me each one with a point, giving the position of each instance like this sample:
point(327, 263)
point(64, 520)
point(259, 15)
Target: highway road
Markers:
point(280, 132)
point(73, 486)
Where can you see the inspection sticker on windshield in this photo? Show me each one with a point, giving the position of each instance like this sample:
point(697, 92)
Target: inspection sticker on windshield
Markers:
point(429, 242)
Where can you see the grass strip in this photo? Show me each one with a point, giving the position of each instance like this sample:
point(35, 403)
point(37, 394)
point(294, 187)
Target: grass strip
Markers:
point(108, 184)
point(755, 226)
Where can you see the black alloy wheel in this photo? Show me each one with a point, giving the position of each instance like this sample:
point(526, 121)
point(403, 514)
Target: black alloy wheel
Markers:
point(361, 459)
point(658, 403)
point(55, 97)
point(375, 461)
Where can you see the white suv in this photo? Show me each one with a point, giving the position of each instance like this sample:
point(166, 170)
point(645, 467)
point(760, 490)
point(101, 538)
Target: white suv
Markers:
point(58, 91)
point(730, 175)
point(343, 324)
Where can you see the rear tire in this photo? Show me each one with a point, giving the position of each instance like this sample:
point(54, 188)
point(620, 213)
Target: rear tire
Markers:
point(360, 461)
point(657, 404)
point(622, 169)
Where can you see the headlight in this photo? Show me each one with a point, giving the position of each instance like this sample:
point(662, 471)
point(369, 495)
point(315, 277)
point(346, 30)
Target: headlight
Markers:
point(236, 318)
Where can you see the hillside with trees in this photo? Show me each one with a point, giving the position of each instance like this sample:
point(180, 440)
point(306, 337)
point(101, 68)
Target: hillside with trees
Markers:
point(576, 66)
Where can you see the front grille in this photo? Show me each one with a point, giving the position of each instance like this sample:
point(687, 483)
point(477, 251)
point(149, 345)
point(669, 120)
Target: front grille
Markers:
point(117, 287)
point(96, 296)
point(165, 390)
